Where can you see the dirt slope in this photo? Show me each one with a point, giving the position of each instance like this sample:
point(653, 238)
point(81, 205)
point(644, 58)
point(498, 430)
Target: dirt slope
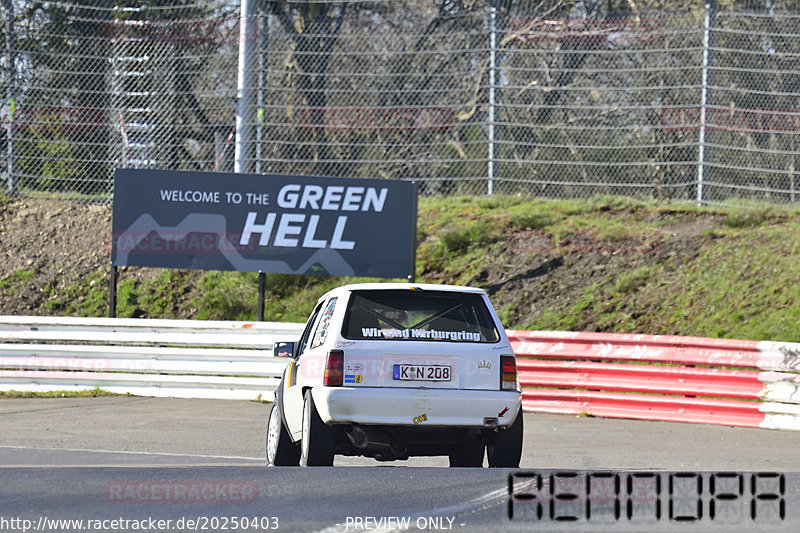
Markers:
point(48, 248)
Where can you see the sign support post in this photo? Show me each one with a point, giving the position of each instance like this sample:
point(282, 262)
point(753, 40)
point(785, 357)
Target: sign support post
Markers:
point(262, 281)
point(112, 293)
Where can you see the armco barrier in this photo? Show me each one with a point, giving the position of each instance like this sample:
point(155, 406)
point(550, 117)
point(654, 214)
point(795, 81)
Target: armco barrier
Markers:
point(171, 358)
point(683, 379)
point(653, 377)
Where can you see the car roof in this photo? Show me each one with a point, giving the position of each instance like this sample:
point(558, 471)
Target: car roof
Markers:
point(400, 286)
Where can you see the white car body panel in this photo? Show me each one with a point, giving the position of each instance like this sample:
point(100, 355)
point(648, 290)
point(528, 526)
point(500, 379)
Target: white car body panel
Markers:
point(406, 407)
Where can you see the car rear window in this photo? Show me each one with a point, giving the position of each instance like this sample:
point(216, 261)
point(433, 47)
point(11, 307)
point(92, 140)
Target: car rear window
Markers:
point(415, 315)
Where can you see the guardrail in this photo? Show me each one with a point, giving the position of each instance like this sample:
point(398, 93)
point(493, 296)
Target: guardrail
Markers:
point(169, 358)
point(670, 378)
point(652, 377)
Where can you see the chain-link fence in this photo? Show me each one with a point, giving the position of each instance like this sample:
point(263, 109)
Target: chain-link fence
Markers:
point(558, 99)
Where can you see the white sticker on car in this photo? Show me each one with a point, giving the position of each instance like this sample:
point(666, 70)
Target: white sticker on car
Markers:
point(418, 333)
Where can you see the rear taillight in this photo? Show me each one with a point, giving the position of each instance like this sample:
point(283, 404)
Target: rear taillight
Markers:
point(508, 372)
point(333, 369)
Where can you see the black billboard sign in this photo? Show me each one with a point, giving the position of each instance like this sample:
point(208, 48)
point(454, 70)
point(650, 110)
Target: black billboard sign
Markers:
point(264, 223)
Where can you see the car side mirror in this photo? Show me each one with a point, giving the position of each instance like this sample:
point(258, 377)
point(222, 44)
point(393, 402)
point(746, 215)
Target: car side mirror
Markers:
point(284, 349)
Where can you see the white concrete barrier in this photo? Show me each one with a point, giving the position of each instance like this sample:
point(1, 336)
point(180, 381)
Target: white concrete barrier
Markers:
point(167, 358)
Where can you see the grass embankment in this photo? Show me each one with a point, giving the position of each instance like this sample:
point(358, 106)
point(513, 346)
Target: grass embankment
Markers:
point(606, 264)
point(630, 267)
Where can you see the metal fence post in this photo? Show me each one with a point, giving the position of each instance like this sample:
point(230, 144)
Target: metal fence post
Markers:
point(244, 90)
point(10, 93)
point(492, 46)
point(704, 96)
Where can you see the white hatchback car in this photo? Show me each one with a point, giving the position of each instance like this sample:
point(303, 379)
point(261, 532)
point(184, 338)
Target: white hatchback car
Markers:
point(391, 370)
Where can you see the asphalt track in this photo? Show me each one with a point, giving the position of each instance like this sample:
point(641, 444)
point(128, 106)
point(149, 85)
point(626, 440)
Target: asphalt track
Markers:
point(124, 463)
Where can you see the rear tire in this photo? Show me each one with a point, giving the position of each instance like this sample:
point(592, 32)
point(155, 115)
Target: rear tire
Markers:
point(281, 451)
point(316, 446)
point(505, 451)
point(471, 455)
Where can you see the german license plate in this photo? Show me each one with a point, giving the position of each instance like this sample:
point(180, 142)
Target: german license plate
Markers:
point(422, 372)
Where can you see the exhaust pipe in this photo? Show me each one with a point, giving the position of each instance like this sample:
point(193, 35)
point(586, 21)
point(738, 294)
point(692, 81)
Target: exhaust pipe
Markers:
point(368, 438)
point(358, 437)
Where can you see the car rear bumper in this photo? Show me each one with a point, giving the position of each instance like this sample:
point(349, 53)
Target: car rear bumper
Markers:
point(416, 407)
